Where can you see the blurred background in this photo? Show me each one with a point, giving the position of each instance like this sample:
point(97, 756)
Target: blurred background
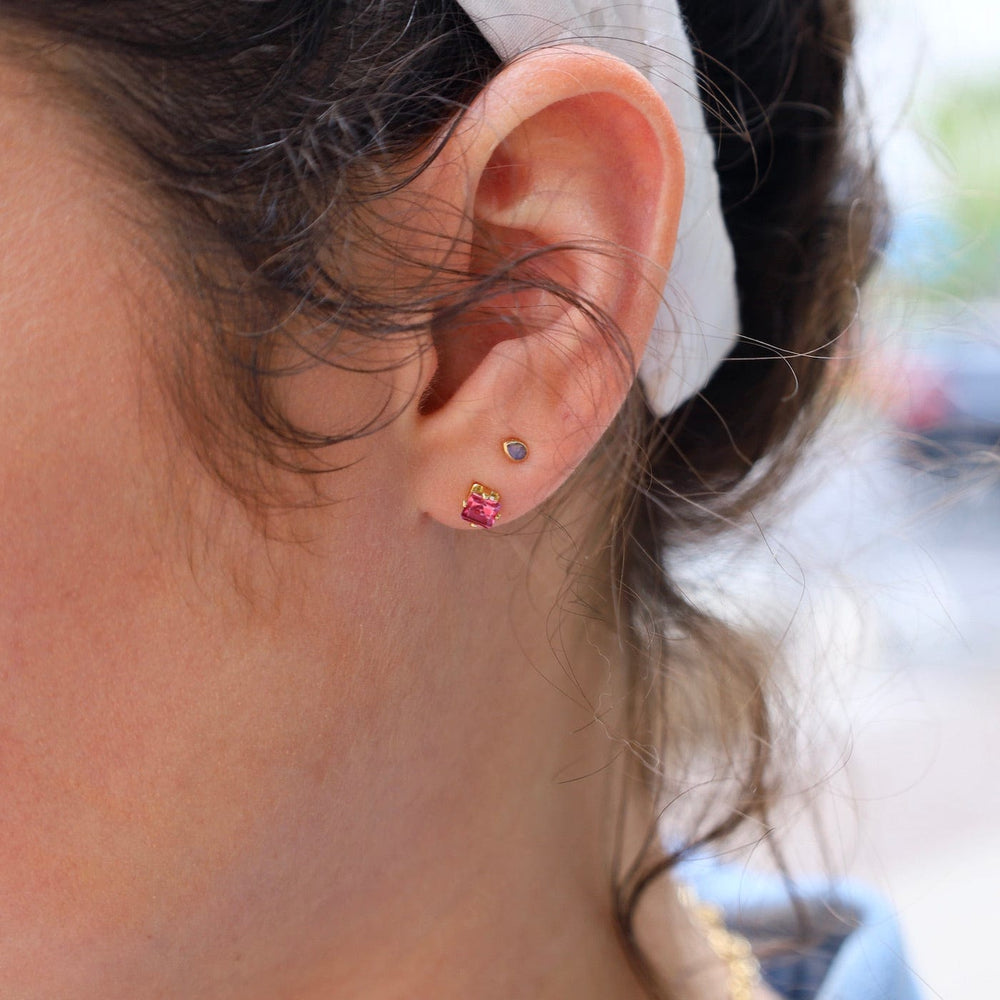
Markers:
point(893, 547)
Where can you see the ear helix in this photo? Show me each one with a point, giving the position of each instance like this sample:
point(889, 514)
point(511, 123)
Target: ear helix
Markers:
point(482, 504)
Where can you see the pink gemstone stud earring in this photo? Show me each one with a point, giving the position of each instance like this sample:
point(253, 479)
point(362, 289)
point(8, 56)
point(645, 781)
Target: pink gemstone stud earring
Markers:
point(515, 450)
point(481, 506)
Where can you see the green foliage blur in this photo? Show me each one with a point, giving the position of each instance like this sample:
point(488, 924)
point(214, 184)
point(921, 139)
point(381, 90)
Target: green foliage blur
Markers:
point(965, 124)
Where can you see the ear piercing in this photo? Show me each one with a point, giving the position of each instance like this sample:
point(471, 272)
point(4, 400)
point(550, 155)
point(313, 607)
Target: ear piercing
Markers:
point(515, 450)
point(481, 506)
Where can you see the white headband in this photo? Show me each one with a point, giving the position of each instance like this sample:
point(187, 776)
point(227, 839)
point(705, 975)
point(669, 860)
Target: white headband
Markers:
point(699, 322)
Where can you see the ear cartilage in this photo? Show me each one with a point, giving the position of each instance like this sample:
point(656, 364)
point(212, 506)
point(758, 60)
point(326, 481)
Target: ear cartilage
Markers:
point(700, 319)
point(481, 506)
point(515, 450)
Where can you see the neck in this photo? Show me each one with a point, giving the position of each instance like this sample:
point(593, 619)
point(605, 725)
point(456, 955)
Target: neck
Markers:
point(488, 862)
point(451, 831)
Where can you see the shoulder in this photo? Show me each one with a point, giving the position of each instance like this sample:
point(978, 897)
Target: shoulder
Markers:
point(816, 939)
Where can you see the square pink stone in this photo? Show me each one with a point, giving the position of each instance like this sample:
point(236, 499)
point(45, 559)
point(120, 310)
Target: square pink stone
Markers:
point(480, 510)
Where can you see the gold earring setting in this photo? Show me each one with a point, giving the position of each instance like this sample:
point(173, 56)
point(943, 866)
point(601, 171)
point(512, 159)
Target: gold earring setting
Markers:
point(515, 450)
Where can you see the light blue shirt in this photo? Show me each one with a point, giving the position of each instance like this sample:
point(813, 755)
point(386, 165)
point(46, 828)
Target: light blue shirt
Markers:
point(853, 951)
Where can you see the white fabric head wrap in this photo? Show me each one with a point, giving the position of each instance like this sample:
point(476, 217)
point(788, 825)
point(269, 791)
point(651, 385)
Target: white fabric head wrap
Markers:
point(699, 322)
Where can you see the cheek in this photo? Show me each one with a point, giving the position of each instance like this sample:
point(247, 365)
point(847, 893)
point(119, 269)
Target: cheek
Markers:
point(72, 561)
point(149, 714)
point(159, 730)
point(184, 707)
point(84, 597)
point(181, 716)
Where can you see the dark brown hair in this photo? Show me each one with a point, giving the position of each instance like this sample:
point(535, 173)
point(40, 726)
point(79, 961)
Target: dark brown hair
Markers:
point(266, 127)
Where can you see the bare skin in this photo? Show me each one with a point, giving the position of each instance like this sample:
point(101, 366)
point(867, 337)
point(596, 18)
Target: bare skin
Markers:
point(234, 767)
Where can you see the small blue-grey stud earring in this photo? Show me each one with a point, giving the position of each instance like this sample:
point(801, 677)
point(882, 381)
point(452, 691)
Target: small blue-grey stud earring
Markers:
point(516, 451)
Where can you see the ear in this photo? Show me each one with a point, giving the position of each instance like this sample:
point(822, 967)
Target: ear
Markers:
point(570, 158)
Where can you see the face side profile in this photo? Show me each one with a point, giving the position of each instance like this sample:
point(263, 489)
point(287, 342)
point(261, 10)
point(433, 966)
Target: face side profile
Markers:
point(280, 722)
point(187, 705)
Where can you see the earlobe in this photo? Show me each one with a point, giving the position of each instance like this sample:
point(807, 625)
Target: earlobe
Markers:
point(573, 180)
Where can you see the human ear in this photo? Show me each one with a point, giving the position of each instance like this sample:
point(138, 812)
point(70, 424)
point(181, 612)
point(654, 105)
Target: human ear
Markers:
point(568, 163)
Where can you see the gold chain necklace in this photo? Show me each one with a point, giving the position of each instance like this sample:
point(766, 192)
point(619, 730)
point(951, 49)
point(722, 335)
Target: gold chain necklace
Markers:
point(733, 949)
